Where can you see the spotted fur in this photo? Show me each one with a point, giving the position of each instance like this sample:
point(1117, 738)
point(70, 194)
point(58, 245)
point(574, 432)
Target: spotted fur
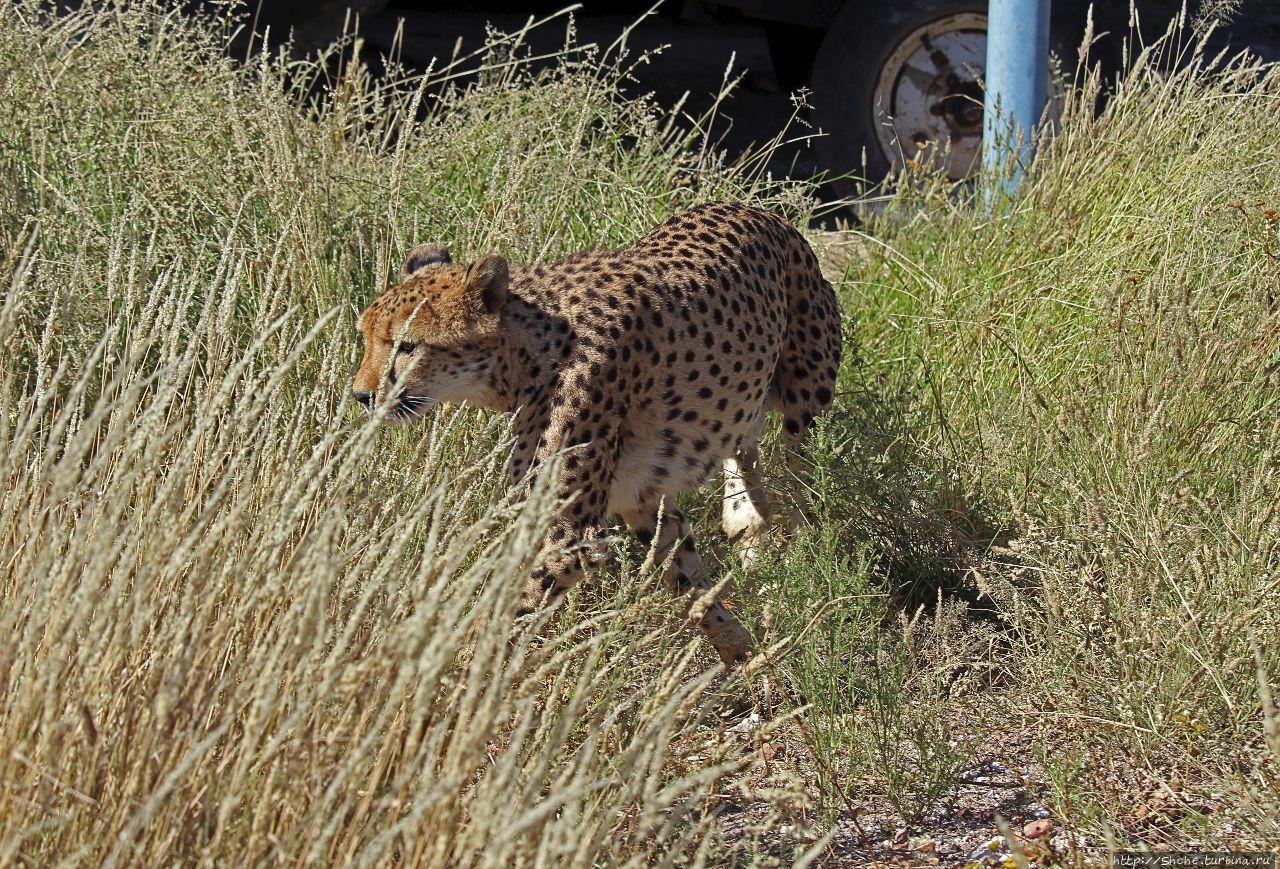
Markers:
point(654, 364)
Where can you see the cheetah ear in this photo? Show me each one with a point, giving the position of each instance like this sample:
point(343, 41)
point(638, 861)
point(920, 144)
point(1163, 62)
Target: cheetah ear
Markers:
point(424, 255)
point(486, 283)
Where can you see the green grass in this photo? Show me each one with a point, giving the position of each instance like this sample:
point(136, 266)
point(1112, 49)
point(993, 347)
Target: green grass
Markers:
point(1088, 380)
point(240, 624)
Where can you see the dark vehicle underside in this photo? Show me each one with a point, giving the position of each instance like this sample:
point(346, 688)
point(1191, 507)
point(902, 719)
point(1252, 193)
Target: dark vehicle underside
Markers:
point(887, 82)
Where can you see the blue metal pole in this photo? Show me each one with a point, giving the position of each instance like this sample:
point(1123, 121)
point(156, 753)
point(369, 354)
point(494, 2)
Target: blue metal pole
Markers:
point(1017, 83)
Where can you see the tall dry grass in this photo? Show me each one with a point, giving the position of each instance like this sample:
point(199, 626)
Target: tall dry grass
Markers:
point(239, 623)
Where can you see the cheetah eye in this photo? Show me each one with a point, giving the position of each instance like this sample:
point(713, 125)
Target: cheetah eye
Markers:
point(404, 348)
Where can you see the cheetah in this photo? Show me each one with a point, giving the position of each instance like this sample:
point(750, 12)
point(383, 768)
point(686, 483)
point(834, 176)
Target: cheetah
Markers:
point(649, 366)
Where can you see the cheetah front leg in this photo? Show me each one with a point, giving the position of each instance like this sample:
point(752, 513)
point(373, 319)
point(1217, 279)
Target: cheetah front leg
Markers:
point(572, 549)
point(574, 544)
point(662, 530)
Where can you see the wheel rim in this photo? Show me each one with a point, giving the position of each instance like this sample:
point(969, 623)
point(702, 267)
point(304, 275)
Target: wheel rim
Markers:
point(928, 102)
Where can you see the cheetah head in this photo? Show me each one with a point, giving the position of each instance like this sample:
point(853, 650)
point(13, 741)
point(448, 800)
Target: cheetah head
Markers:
point(433, 336)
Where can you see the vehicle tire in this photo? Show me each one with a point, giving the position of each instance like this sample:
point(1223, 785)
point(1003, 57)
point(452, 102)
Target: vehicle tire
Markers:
point(886, 83)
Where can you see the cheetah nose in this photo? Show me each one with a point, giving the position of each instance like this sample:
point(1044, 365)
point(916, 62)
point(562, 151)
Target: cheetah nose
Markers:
point(365, 398)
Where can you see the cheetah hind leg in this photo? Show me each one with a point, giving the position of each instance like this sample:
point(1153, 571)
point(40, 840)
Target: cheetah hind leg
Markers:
point(687, 575)
point(746, 513)
point(798, 420)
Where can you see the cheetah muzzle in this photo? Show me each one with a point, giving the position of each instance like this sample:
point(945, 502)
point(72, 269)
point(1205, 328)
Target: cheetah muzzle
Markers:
point(654, 363)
